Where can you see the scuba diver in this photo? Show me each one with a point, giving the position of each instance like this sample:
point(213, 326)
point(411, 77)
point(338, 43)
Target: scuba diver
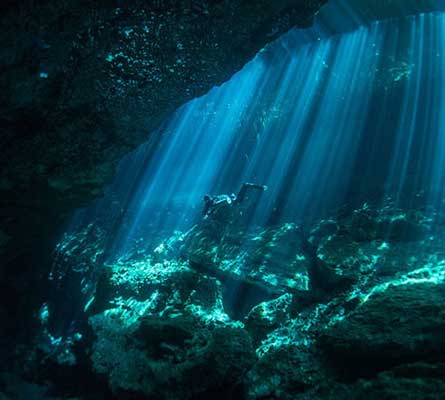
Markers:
point(221, 206)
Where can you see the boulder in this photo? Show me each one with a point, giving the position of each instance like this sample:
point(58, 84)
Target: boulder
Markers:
point(398, 325)
point(419, 381)
point(267, 316)
point(274, 259)
point(403, 228)
point(285, 372)
point(169, 355)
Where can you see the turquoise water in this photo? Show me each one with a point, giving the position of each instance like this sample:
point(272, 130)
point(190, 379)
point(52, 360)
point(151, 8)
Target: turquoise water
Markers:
point(337, 120)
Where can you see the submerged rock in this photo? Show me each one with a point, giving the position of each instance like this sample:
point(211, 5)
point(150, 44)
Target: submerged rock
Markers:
point(204, 305)
point(398, 325)
point(370, 240)
point(267, 316)
point(273, 258)
point(166, 353)
point(285, 372)
point(166, 327)
point(419, 381)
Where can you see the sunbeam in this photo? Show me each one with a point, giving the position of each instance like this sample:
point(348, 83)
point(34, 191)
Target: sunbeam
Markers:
point(307, 122)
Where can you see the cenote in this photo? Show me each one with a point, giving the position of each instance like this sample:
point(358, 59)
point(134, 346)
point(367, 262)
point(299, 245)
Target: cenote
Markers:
point(222, 199)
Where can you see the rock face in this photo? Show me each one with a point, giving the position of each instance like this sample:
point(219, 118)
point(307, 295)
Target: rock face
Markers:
point(402, 324)
point(272, 258)
point(163, 347)
point(284, 373)
point(84, 82)
point(160, 327)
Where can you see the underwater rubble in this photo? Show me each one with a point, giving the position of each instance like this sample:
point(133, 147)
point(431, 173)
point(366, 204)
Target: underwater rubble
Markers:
point(348, 307)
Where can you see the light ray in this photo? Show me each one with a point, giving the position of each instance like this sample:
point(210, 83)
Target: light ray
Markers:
point(328, 122)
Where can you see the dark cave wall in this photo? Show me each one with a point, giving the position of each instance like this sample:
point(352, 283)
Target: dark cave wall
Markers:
point(84, 82)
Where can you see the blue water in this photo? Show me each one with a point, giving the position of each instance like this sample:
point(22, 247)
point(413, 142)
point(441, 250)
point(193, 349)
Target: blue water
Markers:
point(321, 124)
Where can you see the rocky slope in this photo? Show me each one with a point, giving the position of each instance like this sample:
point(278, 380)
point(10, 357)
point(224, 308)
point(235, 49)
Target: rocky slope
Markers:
point(164, 324)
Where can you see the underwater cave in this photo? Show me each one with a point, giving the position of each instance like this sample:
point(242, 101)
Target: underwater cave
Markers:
point(222, 199)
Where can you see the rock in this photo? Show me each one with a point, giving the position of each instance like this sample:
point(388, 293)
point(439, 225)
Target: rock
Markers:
point(398, 325)
point(370, 240)
point(401, 228)
point(273, 258)
point(412, 382)
point(340, 260)
point(166, 328)
point(162, 320)
point(284, 373)
point(390, 385)
point(4, 239)
point(267, 316)
point(253, 266)
point(323, 229)
point(399, 258)
point(168, 355)
point(342, 249)
point(165, 337)
point(363, 226)
point(228, 355)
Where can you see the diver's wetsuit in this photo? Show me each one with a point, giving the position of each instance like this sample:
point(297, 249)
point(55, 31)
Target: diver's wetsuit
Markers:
point(223, 204)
